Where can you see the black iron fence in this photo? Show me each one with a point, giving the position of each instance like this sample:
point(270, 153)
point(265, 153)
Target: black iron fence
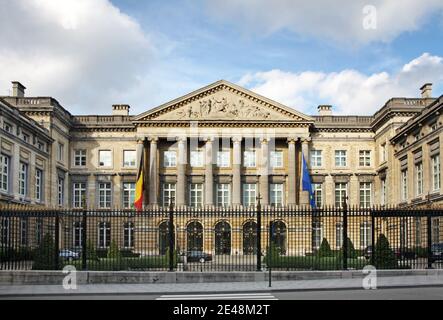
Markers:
point(221, 239)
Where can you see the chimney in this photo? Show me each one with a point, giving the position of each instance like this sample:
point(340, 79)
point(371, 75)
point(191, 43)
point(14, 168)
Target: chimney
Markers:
point(426, 90)
point(18, 90)
point(120, 110)
point(324, 110)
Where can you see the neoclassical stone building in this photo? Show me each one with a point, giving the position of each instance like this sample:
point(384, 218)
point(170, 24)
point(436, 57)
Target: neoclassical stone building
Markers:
point(221, 145)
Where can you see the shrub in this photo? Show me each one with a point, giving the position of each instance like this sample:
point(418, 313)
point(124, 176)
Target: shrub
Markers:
point(45, 254)
point(91, 253)
point(175, 257)
point(114, 252)
point(325, 249)
point(272, 255)
point(126, 253)
point(352, 253)
point(384, 255)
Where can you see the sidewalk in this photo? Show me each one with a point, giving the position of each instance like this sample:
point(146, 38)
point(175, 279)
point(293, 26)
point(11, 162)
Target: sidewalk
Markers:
point(227, 287)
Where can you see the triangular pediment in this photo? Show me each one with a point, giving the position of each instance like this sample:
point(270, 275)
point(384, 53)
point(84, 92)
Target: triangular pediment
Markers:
point(223, 101)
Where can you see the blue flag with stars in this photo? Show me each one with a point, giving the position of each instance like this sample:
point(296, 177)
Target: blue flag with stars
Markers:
point(306, 182)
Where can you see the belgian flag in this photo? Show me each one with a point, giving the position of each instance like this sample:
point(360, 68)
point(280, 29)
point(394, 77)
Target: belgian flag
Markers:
point(139, 186)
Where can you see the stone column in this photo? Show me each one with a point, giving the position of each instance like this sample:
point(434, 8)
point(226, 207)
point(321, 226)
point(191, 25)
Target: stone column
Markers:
point(304, 195)
point(209, 179)
point(181, 172)
point(291, 172)
point(264, 171)
point(153, 172)
point(236, 171)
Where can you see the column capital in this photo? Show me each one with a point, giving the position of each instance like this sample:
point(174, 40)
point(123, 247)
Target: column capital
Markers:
point(181, 138)
point(237, 139)
point(140, 140)
point(292, 140)
point(305, 139)
point(264, 140)
point(209, 139)
point(153, 139)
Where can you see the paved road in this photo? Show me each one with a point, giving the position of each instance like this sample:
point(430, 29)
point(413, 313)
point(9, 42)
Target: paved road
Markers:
point(417, 293)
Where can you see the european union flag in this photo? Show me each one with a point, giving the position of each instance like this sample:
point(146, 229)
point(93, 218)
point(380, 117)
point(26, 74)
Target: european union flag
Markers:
point(306, 182)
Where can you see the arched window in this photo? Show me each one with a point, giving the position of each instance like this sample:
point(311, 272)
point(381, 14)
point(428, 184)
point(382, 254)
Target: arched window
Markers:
point(163, 237)
point(222, 238)
point(194, 236)
point(250, 238)
point(279, 236)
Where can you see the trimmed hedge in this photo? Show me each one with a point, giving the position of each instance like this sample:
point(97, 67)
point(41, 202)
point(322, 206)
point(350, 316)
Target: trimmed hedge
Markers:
point(313, 263)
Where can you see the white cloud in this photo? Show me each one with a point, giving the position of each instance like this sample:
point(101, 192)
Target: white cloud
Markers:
point(85, 53)
point(349, 91)
point(331, 20)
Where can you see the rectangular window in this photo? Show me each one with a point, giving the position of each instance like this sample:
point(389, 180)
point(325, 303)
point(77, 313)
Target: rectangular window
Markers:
point(4, 173)
point(340, 158)
point(23, 180)
point(365, 158)
point(128, 234)
point(276, 190)
point(78, 194)
point(41, 146)
point(383, 192)
point(169, 159)
point(318, 194)
point(24, 231)
point(419, 178)
point(168, 194)
point(79, 158)
point(38, 231)
point(435, 165)
point(4, 232)
point(340, 193)
point(249, 194)
point(383, 153)
point(129, 158)
point(7, 127)
point(104, 234)
point(316, 235)
point(26, 137)
point(60, 191)
point(435, 230)
point(365, 194)
point(223, 159)
point(276, 159)
point(339, 235)
point(104, 195)
point(223, 195)
point(433, 126)
point(128, 194)
point(404, 185)
point(196, 195)
point(60, 152)
point(197, 158)
point(105, 158)
point(38, 185)
point(249, 159)
point(78, 234)
point(365, 234)
point(316, 158)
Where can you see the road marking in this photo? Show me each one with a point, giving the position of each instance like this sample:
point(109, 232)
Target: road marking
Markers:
point(226, 296)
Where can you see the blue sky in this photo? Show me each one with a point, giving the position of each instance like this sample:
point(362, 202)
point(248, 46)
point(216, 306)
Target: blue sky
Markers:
point(93, 53)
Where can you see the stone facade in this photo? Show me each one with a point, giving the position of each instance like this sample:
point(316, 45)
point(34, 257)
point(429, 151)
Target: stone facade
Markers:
point(199, 150)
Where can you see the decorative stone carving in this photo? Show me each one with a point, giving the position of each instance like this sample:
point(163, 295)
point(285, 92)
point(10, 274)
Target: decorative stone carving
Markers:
point(213, 108)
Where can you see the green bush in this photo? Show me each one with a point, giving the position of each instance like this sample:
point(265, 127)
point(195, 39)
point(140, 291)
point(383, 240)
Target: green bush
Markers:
point(325, 249)
point(114, 252)
point(175, 257)
point(272, 254)
point(45, 254)
point(102, 253)
point(127, 253)
point(352, 253)
point(20, 254)
point(384, 256)
point(91, 253)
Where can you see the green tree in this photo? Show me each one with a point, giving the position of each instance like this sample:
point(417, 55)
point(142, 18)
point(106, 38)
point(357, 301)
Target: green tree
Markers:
point(325, 249)
point(44, 258)
point(91, 253)
point(384, 256)
point(272, 254)
point(113, 251)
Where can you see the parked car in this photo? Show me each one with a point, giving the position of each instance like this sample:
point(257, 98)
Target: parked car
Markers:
point(405, 253)
point(69, 254)
point(436, 252)
point(198, 256)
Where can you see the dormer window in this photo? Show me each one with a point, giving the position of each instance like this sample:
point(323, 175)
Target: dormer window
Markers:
point(433, 126)
point(7, 127)
point(416, 136)
point(26, 137)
